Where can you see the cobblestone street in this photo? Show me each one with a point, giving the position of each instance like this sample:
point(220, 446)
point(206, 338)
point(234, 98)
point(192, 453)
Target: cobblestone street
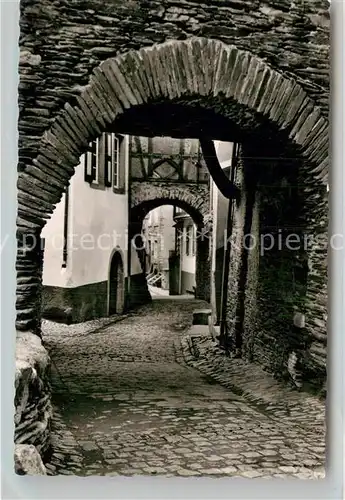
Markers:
point(127, 401)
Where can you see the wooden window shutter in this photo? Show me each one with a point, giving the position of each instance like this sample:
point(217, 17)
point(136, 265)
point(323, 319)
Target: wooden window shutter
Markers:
point(90, 162)
point(116, 161)
point(122, 164)
point(108, 160)
point(94, 153)
point(119, 164)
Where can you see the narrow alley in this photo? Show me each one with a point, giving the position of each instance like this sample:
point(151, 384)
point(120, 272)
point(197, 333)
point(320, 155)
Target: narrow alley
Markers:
point(126, 402)
point(183, 147)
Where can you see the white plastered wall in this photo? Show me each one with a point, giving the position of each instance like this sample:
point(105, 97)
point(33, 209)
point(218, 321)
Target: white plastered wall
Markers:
point(97, 224)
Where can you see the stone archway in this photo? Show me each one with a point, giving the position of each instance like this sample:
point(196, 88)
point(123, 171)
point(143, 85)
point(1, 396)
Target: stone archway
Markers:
point(178, 72)
point(195, 200)
point(171, 71)
point(147, 195)
point(238, 85)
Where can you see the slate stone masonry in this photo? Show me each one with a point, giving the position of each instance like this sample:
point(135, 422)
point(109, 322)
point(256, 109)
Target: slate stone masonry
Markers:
point(193, 198)
point(294, 37)
point(271, 70)
point(33, 410)
point(77, 304)
point(280, 280)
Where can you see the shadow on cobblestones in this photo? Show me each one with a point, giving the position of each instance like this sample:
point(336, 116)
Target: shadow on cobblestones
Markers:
point(126, 403)
point(259, 388)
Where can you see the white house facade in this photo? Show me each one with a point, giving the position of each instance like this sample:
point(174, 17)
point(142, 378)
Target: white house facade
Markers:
point(85, 257)
point(91, 268)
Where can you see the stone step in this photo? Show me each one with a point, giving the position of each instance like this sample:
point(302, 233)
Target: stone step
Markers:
point(198, 331)
point(200, 316)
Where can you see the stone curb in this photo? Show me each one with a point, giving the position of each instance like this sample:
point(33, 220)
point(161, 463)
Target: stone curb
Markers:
point(286, 404)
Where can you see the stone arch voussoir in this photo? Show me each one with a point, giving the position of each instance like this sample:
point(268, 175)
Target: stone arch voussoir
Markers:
point(170, 70)
point(194, 199)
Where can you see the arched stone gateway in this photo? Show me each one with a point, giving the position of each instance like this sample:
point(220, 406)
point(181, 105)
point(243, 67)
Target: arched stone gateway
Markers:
point(172, 71)
point(238, 87)
point(146, 196)
point(193, 199)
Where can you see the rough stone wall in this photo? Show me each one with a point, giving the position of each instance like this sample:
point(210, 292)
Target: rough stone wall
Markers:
point(191, 196)
point(33, 411)
point(236, 255)
point(203, 267)
point(251, 286)
point(29, 266)
point(218, 276)
point(250, 96)
point(284, 273)
point(277, 277)
point(61, 42)
point(195, 200)
point(315, 218)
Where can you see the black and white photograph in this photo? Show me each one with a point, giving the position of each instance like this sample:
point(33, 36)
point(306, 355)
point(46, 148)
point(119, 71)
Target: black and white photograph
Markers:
point(172, 238)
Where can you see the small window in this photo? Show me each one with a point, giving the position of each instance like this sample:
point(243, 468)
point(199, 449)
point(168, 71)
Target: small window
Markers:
point(91, 162)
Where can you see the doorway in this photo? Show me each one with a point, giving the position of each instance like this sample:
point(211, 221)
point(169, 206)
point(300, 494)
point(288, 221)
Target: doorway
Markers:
point(116, 285)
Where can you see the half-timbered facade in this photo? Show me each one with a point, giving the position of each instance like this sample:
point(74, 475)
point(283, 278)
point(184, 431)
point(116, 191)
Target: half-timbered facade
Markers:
point(168, 159)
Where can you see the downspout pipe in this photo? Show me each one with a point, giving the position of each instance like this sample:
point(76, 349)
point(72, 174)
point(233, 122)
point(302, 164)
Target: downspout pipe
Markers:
point(128, 165)
point(65, 230)
point(227, 253)
point(225, 184)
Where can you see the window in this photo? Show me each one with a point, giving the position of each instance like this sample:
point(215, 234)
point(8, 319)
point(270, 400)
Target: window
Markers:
point(92, 163)
point(102, 162)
